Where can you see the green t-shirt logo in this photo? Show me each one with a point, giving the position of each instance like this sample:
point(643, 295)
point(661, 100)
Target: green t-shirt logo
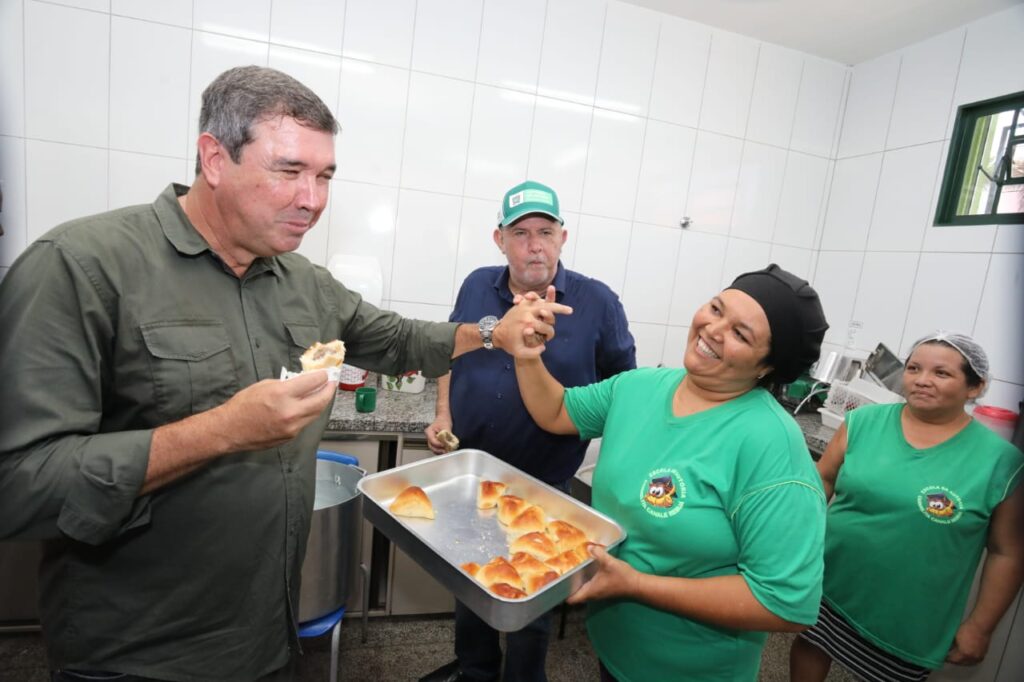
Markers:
point(940, 504)
point(663, 493)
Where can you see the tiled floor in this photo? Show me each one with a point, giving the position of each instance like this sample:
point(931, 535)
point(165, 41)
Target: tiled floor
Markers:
point(403, 649)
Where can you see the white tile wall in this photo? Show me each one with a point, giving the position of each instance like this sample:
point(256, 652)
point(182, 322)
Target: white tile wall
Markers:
point(497, 64)
point(664, 173)
point(447, 36)
point(439, 116)
point(652, 257)
point(925, 90)
point(308, 24)
point(947, 290)
point(775, 91)
point(63, 182)
point(903, 204)
point(437, 133)
point(757, 192)
point(371, 111)
point(732, 65)
point(680, 71)
point(79, 73)
point(869, 106)
point(716, 170)
point(997, 315)
point(12, 69)
point(148, 87)
point(380, 31)
point(613, 164)
point(499, 141)
point(801, 200)
point(240, 18)
point(12, 182)
point(571, 50)
point(628, 54)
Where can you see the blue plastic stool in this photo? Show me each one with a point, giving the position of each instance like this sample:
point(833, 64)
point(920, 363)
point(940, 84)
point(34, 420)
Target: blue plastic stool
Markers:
point(332, 621)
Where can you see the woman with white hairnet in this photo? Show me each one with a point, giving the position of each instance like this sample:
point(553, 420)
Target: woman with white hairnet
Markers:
point(920, 489)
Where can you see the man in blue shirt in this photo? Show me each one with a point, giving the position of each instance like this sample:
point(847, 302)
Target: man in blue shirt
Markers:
point(479, 400)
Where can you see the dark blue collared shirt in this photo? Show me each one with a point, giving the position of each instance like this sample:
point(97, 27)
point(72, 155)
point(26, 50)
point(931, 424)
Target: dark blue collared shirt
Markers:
point(592, 344)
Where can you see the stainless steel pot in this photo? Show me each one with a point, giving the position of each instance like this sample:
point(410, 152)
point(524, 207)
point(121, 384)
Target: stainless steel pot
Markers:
point(332, 553)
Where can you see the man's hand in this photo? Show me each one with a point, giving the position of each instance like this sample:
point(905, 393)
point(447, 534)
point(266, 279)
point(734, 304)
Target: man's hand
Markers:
point(441, 422)
point(272, 412)
point(969, 646)
point(614, 578)
point(529, 324)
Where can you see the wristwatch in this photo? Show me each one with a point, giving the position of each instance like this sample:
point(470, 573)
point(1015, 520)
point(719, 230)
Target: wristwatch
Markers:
point(487, 325)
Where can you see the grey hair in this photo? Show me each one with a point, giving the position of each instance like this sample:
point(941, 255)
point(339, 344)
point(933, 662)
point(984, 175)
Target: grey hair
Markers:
point(246, 95)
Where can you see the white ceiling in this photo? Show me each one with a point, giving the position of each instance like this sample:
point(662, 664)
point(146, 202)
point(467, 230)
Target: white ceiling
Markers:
point(847, 31)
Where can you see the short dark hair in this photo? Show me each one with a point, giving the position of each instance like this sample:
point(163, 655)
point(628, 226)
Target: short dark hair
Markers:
point(973, 378)
point(245, 95)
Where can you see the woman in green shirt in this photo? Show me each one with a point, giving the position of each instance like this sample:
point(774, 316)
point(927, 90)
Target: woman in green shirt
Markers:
point(920, 490)
point(713, 483)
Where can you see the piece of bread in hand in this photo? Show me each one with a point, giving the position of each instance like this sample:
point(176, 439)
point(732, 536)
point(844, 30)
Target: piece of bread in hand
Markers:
point(530, 520)
point(413, 502)
point(536, 544)
point(499, 570)
point(565, 535)
point(488, 493)
point(448, 440)
point(323, 355)
point(509, 507)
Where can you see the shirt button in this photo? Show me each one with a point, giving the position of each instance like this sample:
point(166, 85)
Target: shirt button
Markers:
point(256, 342)
point(499, 396)
point(508, 366)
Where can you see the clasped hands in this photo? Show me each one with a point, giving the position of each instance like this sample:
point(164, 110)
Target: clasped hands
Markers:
point(529, 324)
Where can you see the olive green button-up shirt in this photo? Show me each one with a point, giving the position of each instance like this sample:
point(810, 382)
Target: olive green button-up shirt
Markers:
point(111, 326)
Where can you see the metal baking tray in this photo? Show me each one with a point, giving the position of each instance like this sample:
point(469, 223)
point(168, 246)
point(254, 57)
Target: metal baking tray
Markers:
point(461, 532)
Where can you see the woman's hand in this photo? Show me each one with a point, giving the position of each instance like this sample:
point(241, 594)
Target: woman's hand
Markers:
point(614, 578)
point(969, 646)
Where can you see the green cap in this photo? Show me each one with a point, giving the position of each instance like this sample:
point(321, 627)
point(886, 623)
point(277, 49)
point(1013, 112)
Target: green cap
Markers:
point(528, 198)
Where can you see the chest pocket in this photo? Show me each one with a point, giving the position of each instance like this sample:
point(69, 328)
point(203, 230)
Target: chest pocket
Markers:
point(301, 336)
point(192, 365)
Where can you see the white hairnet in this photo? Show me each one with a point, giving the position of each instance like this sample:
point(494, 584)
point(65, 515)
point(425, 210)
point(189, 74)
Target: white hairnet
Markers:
point(970, 349)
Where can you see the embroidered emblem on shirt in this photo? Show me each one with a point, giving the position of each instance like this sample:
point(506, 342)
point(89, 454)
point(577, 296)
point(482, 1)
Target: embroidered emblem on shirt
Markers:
point(940, 504)
point(663, 493)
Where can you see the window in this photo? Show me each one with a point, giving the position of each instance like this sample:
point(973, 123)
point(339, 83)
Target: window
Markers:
point(983, 182)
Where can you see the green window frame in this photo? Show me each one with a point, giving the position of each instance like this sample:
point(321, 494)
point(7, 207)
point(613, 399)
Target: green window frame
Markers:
point(983, 183)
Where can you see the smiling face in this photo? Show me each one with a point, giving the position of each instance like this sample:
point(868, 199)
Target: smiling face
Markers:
point(532, 246)
point(728, 342)
point(277, 190)
point(934, 381)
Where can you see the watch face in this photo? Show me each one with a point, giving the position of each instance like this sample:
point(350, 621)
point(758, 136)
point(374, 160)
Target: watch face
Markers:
point(489, 322)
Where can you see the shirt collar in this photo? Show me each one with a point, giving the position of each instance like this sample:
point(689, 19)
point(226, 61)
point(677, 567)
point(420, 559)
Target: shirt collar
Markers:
point(501, 283)
point(184, 237)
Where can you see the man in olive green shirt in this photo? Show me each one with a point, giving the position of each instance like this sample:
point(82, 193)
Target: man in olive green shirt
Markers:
point(143, 433)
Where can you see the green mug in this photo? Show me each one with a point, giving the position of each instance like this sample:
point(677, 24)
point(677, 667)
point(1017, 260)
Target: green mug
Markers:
point(366, 399)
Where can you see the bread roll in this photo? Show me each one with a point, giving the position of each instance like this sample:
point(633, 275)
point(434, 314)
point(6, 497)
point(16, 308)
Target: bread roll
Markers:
point(507, 591)
point(527, 565)
point(509, 507)
point(530, 520)
point(488, 494)
point(323, 355)
point(413, 502)
point(448, 440)
point(583, 550)
point(565, 562)
point(471, 567)
point(536, 582)
point(499, 570)
point(565, 535)
point(537, 544)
